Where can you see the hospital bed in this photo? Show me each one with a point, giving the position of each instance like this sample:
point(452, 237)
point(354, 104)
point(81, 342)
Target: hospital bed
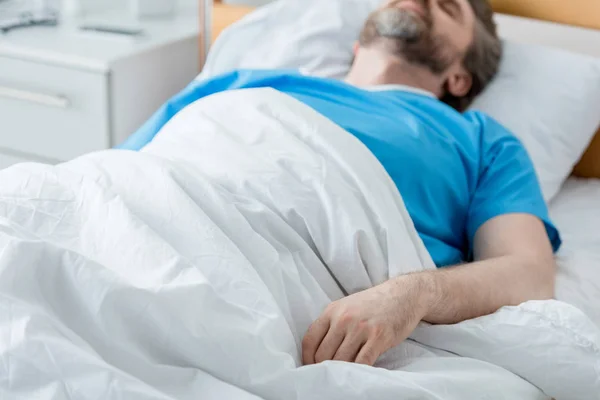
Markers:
point(574, 26)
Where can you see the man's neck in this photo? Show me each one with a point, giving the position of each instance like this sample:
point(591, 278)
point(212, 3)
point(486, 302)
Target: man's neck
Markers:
point(376, 70)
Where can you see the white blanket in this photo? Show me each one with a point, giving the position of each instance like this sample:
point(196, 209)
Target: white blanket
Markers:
point(192, 270)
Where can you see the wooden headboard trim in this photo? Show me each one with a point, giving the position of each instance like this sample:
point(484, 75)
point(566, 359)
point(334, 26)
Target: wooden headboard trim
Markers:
point(225, 15)
point(589, 165)
point(584, 13)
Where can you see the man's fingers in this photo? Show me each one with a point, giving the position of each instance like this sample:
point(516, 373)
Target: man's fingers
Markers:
point(349, 348)
point(329, 345)
point(313, 338)
point(369, 353)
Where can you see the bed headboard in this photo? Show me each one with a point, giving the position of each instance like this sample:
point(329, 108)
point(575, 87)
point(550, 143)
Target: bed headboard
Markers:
point(583, 13)
point(225, 15)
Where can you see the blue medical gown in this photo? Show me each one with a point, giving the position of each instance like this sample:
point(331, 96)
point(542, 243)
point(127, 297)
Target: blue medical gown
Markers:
point(455, 171)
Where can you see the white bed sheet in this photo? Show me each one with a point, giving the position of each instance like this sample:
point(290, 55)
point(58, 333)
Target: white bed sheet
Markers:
point(576, 212)
point(193, 268)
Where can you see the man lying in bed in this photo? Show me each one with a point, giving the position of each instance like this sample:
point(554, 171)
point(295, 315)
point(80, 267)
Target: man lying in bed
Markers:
point(467, 182)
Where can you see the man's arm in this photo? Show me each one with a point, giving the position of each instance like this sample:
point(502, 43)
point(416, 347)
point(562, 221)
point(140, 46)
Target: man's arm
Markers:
point(514, 264)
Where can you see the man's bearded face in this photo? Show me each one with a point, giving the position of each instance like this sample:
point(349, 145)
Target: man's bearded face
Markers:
point(406, 29)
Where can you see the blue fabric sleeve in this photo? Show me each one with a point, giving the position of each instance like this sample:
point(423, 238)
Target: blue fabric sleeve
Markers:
point(507, 181)
point(196, 90)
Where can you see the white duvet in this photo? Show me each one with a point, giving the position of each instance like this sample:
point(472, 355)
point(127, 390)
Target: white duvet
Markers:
point(192, 269)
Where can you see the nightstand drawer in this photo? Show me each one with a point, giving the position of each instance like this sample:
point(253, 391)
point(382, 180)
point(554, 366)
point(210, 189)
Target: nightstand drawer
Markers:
point(53, 112)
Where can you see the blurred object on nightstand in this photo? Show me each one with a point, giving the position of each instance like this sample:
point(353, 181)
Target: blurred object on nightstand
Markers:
point(27, 19)
point(16, 14)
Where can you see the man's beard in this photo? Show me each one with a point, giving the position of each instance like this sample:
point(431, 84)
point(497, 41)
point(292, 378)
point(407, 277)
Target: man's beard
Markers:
point(409, 37)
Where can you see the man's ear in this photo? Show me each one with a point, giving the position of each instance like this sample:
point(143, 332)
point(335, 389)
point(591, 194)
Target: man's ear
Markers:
point(355, 48)
point(459, 82)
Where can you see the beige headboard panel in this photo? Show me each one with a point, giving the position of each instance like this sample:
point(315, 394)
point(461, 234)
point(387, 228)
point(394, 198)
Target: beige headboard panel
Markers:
point(225, 15)
point(585, 13)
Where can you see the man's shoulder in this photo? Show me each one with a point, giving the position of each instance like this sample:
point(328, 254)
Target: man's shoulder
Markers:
point(489, 129)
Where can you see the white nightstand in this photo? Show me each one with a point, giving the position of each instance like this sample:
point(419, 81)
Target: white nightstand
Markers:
point(65, 92)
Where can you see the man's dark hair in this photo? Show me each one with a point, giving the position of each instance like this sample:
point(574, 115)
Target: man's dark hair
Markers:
point(483, 57)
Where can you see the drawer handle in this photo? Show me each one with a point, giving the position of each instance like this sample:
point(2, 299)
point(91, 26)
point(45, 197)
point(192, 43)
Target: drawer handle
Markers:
point(33, 97)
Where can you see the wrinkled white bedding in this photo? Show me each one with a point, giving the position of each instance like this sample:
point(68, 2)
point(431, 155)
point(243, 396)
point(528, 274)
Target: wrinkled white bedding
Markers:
point(576, 213)
point(193, 268)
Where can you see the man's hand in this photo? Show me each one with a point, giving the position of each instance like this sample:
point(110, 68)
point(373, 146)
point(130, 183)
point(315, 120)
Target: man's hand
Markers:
point(361, 327)
point(514, 264)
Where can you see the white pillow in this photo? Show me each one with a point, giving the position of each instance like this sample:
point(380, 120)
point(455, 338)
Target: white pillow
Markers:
point(549, 98)
point(315, 36)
